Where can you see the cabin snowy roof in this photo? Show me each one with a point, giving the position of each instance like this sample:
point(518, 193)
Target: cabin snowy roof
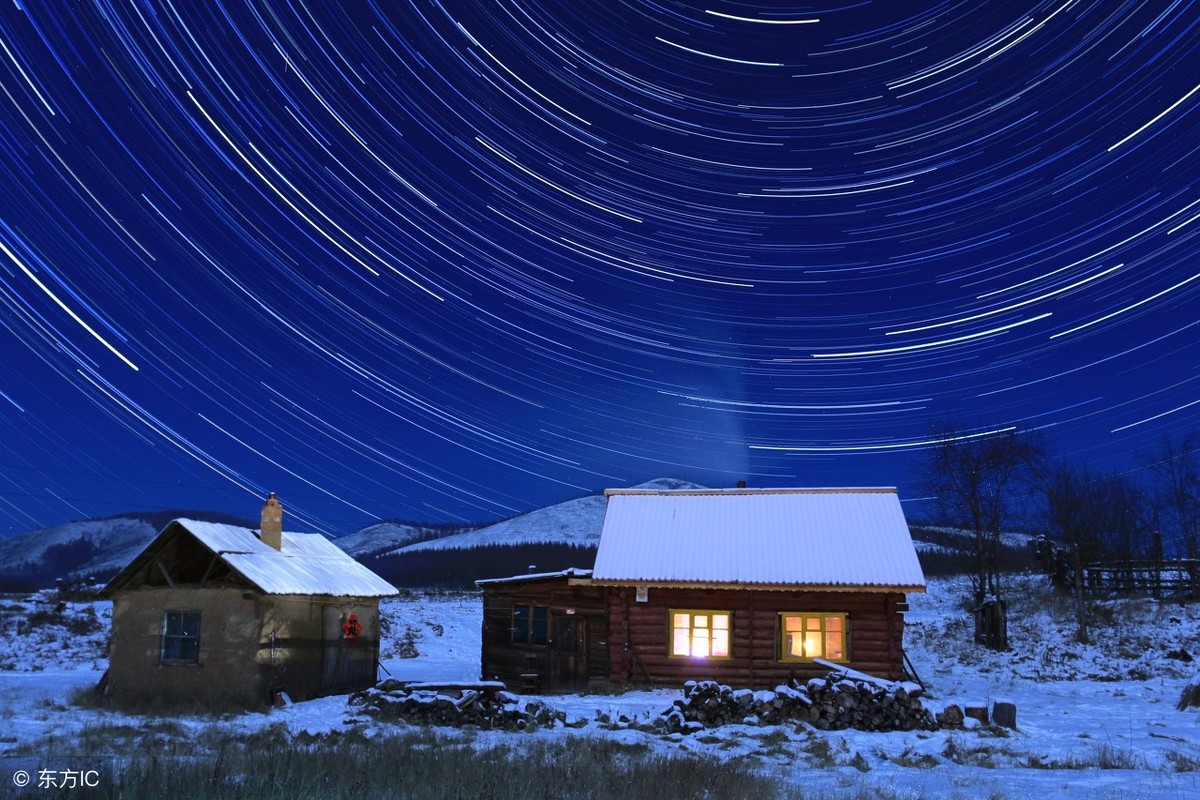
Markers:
point(306, 563)
point(831, 539)
point(569, 572)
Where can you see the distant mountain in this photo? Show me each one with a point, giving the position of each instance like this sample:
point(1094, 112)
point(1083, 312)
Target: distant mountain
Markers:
point(552, 538)
point(94, 549)
point(384, 537)
point(405, 553)
point(574, 523)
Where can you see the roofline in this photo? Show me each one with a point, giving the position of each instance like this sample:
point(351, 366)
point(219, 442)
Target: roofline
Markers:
point(574, 576)
point(766, 587)
point(742, 490)
point(157, 544)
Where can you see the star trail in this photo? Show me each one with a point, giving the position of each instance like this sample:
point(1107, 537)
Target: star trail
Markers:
point(456, 260)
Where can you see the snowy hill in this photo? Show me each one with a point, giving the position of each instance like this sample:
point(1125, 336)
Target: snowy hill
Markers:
point(386, 537)
point(407, 553)
point(574, 523)
point(72, 551)
point(93, 549)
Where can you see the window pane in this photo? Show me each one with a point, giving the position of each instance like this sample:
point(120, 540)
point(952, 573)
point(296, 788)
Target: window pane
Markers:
point(680, 621)
point(700, 642)
point(833, 644)
point(833, 623)
point(679, 643)
point(189, 649)
point(520, 624)
point(812, 644)
point(700, 621)
point(538, 632)
point(720, 643)
point(720, 622)
point(181, 636)
point(793, 624)
point(812, 623)
point(170, 648)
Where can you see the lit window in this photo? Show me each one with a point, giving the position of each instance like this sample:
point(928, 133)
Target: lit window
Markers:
point(530, 624)
point(702, 634)
point(813, 635)
point(181, 636)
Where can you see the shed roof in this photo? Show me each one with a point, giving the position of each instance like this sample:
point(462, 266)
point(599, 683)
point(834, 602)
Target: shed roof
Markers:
point(306, 563)
point(849, 539)
point(576, 573)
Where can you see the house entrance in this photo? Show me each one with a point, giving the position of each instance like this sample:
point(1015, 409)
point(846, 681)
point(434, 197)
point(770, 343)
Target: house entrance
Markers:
point(348, 655)
point(568, 655)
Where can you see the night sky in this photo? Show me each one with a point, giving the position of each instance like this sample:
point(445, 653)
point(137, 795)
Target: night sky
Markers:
point(457, 260)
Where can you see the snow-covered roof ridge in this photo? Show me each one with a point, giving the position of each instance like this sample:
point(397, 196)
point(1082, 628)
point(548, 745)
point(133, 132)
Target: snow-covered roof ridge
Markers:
point(756, 490)
point(305, 564)
point(831, 538)
point(569, 572)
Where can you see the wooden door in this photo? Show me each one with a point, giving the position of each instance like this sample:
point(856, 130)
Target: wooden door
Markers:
point(568, 658)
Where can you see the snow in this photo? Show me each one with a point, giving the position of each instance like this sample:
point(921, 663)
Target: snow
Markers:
point(575, 522)
point(569, 572)
point(114, 543)
point(814, 538)
point(380, 537)
point(306, 563)
point(1093, 721)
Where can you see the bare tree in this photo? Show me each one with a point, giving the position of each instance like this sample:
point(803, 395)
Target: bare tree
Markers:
point(1175, 465)
point(973, 477)
point(1092, 513)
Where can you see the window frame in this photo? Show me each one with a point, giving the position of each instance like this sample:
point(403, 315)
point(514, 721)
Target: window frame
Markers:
point(535, 624)
point(180, 638)
point(692, 613)
point(782, 634)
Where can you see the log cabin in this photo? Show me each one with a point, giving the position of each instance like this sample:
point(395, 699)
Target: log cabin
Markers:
point(222, 614)
point(743, 586)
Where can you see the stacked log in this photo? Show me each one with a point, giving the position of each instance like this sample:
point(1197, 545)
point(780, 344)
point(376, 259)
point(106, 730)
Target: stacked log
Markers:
point(485, 705)
point(841, 700)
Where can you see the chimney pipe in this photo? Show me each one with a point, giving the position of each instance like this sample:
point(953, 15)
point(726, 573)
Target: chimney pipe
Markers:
point(271, 526)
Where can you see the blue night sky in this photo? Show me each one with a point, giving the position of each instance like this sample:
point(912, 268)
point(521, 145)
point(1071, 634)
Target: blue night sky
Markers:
point(457, 260)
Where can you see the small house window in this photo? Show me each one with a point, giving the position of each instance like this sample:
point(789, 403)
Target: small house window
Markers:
point(181, 636)
point(700, 634)
point(809, 635)
point(530, 624)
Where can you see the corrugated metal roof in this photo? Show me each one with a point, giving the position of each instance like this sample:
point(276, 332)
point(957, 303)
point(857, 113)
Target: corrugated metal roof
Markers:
point(307, 563)
point(777, 538)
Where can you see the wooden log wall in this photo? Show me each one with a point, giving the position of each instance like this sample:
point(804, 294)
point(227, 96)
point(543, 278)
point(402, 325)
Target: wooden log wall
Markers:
point(506, 661)
point(640, 633)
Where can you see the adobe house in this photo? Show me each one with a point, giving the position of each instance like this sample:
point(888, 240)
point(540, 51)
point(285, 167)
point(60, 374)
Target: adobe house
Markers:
point(219, 612)
point(742, 586)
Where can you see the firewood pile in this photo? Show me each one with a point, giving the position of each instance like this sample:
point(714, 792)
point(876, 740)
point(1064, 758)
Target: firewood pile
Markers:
point(485, 705)
point(841, 700)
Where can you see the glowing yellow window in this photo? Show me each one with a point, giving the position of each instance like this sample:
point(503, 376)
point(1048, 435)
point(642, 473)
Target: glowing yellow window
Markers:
point(805, 636)
point(701, 634)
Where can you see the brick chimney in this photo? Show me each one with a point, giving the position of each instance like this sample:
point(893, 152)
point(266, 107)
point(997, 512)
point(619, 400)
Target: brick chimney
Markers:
point(271, 527)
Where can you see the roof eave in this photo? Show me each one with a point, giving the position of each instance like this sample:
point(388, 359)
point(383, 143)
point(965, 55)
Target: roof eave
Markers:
point(765, 587)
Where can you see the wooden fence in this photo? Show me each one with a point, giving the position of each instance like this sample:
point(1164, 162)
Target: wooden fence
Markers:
point(1178, 578)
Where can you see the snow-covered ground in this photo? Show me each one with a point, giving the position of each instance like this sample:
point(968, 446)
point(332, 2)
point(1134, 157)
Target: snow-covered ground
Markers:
point(1094, 721)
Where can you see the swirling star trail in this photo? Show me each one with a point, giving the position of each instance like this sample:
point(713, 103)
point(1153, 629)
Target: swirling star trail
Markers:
point(457, 260)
